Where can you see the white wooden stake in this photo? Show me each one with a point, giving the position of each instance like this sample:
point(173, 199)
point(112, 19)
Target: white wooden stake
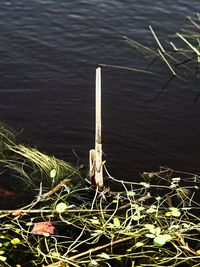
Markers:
point(96, 154)
point(98, 145)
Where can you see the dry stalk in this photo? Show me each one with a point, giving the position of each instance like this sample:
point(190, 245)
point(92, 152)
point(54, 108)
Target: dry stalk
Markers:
point(88, 252)
point(55, 189)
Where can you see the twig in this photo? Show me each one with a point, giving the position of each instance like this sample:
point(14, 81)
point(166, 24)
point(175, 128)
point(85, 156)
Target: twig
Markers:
point(41, 198)
point(23, 211)
point(55, 189)
point(89, 252)
point(92, 250)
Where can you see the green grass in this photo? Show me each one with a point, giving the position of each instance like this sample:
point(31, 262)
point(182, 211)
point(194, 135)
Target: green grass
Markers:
point(181, 54)
point(31, 167)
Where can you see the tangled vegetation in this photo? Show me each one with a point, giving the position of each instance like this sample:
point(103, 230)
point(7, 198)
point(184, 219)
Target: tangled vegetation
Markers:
point(152, 222)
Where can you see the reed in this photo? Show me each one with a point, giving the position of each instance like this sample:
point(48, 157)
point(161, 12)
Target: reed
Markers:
point(181, 58)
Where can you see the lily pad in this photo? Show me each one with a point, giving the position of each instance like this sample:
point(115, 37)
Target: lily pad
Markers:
point(61, 207)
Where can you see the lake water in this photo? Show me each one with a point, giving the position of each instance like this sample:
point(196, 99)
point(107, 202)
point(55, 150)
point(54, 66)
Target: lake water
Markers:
point(48, 54)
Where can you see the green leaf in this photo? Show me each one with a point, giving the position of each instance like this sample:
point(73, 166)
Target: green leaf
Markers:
point(118, 258)
point(61, 207)
point(135, 217)
point(139, 244)
point(130, 193)
point(168, 214)
point(116, 222)
point(159, 241)
point(94, 221)
point(15, 241)
point(167, 237)
point(175, 212)
point(55, 254)
point(2, 258)
point(149, 226)
point(157, 231)
point(151, 210)
point(150, 235)
point(140, 208)
point(6, 244)
point(104, 256)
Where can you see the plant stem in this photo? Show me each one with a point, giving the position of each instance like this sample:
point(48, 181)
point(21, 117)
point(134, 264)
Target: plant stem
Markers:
point(55, 189)
point(88, 252)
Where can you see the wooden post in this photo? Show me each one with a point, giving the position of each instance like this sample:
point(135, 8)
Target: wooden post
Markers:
point(96, 169)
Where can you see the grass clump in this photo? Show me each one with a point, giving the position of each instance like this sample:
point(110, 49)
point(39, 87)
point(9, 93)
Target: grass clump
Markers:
point(26, 169)
point(182, 58)
point(181, 55)
point(45, 169)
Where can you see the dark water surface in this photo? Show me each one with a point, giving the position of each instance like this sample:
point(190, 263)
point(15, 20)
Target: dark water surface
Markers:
point(49, 50)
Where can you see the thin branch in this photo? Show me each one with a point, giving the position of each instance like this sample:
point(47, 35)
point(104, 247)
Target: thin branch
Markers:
point(55, 189)
point(89, 252)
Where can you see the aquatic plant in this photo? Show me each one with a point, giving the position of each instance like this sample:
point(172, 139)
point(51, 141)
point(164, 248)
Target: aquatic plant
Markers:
point(181, 56)
point(187, 49)
point(152, 222)
point(30, 170)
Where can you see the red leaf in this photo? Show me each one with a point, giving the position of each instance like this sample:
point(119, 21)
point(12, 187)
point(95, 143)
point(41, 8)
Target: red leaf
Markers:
point(41, 228)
